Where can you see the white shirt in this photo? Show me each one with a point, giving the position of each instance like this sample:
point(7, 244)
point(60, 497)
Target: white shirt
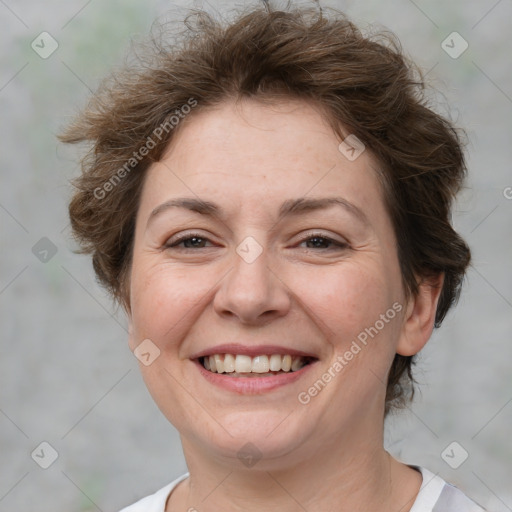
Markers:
point(435, 495)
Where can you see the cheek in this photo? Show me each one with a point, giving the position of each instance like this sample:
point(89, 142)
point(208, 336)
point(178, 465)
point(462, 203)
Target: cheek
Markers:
point(348, 299)
point(164, 299)
point(349, 305)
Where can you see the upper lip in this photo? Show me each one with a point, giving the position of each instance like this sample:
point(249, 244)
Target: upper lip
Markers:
point(252, 350)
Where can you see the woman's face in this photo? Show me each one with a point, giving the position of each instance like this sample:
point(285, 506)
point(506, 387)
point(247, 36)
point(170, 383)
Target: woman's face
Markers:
point(269, 268)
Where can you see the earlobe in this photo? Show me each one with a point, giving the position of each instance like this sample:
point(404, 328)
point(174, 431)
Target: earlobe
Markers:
point(420, 316)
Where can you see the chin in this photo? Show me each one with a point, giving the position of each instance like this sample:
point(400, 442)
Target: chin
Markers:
point(269, 439)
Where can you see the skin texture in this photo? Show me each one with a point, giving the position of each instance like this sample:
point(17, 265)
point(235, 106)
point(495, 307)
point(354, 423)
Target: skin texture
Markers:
point(312, 296)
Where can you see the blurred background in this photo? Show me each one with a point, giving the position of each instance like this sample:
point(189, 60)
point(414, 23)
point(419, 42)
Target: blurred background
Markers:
point(67, 377)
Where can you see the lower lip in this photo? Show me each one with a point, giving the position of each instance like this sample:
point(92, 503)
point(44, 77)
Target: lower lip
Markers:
point(252, 385)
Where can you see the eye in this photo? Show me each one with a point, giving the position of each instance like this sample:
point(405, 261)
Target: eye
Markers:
point(190, 241)
point(193, 241)
point(320, 241)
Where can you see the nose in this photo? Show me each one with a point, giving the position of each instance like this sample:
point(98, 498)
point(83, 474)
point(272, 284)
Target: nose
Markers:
point(252, 291)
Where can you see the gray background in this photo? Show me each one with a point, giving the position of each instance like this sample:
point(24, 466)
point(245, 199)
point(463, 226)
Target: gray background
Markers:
point(67, 375)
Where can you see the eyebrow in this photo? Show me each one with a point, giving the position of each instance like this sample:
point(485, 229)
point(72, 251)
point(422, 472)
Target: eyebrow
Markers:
point(290, 207)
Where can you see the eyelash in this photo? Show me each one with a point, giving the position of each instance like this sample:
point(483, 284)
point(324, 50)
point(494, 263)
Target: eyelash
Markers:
point(188, 236)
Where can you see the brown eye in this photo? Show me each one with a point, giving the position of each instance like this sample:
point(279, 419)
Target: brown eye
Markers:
point(190, 241)
point(323, 243)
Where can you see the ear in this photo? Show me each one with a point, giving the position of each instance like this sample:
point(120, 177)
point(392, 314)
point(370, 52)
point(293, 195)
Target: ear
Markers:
point(125, 302)
point(420, 316)
point(132, 343)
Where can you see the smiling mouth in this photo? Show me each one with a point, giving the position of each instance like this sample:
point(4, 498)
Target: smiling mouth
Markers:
point(241, 365)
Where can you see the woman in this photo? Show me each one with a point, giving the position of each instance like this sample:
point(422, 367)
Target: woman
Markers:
point(270, 202)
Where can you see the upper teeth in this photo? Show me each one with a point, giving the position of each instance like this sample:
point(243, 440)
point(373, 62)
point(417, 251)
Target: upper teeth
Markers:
point(229, 363)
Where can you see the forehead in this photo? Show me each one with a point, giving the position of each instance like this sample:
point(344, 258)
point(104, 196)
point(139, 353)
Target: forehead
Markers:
point(245, 135)
point(255, 155)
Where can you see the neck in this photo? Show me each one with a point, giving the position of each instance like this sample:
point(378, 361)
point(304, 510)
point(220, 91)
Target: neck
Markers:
point(341, 477)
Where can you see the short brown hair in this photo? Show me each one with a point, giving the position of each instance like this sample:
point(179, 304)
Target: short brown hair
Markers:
point(363, 84)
